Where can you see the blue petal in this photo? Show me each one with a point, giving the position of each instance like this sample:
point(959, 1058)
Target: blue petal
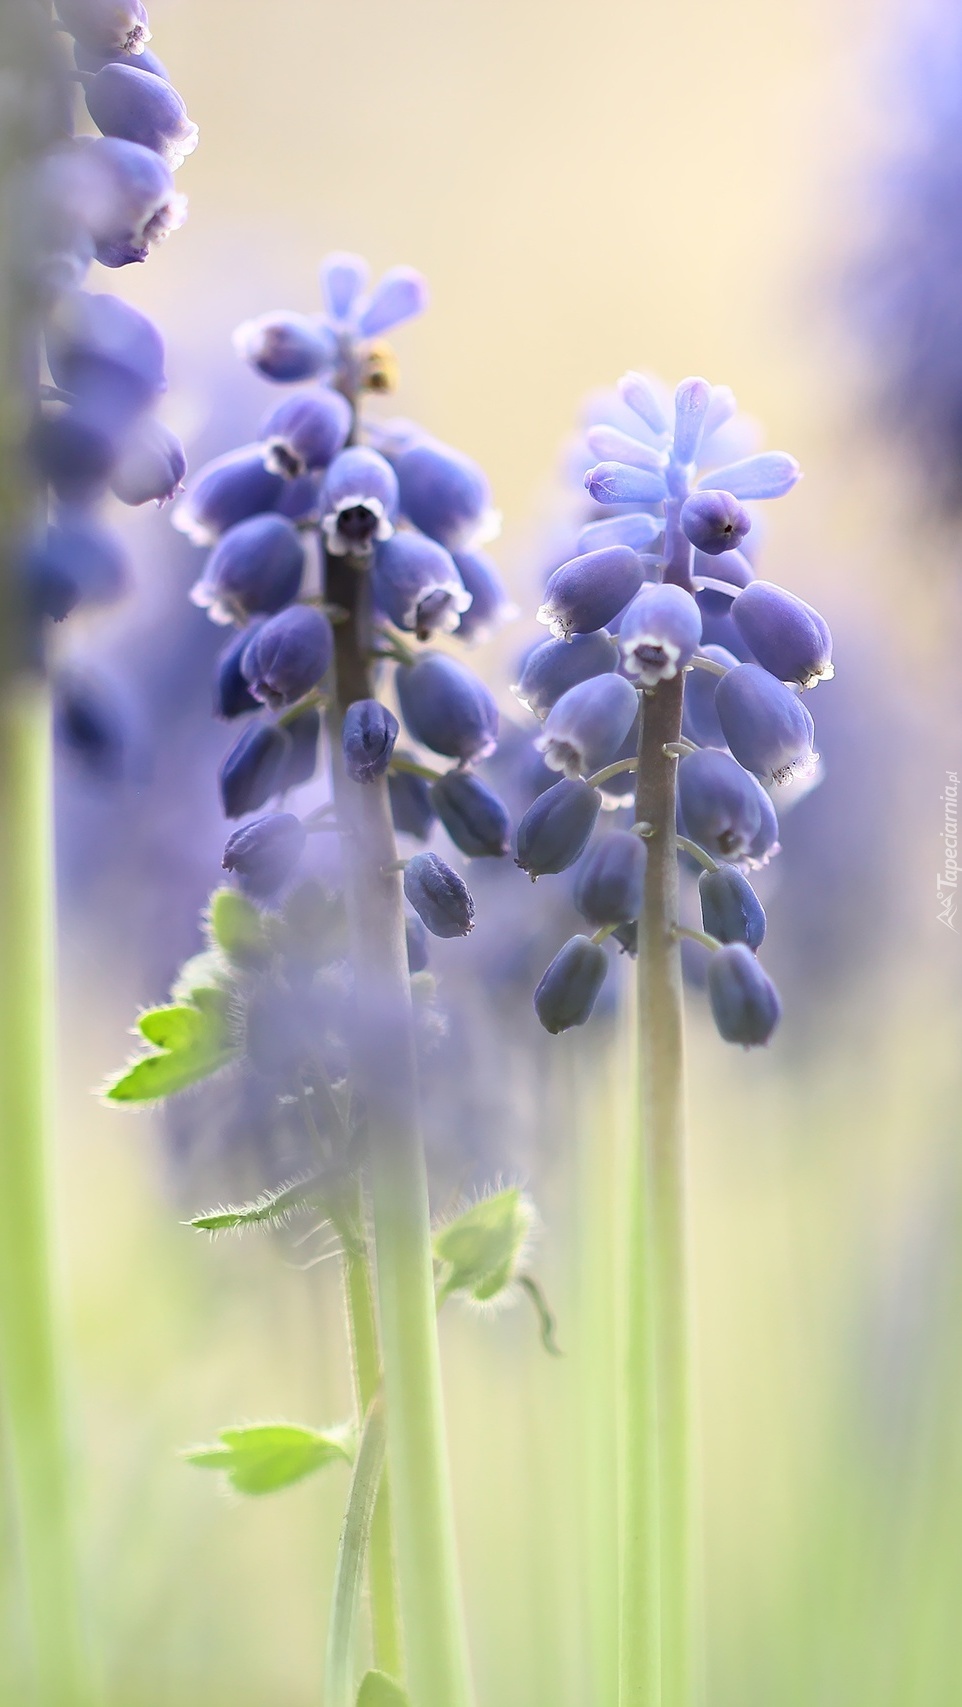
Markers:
point(769, 475)
point(641, 396)
point(691, 408)
point(636, 531)
point(400, 295)
point(343, 278)
point(611, 444)
point(616, 483)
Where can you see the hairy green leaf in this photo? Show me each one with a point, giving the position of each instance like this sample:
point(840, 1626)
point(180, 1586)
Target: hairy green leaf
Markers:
point(189, 1041)
point(260, 1458)
point(180, 1027)
point(379, 1690)
point(272, 1208)
point(482, 1248)
point(236, 927)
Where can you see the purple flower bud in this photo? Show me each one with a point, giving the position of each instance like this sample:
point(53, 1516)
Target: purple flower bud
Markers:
point(227, 491)
point(151, 467)
point(766, 725)
point(557, 827)
point(446, 495)
point(610, 880)
point(586, 726)
point(368, 736)
point(300, 760)
point(438, 895)
point(765, 843)
point(254, 569)
point(76, 561)
point(475, 819)
point(265, 853)
point(569, 989)
point(106, 26)
point(719, 803)
point(448, 708)
point(692, 400)
point(490, 605)
point(285, 346)
point(400, 295)
point(90, 59)
point(132, 103)
point(411, 806)
point(637, 530)
point(144, 206)
point(253, 769)
point(288, 655)
point(416, 585)
point(732, 567)
point(305, 433)
point(642, 397)
point(744, 1001)
point(89, 722)
point(770, 474)
point(786, 635)
point(74, 454)
point(659, 633)
point(714, 521)
point(232, 696)
point(107, 354)
point(557, 665)
point(610, 444)
point(617, 483)
point(701, 723)
point(343, 278)
point(730, 909)
point(359, 502)
point(590, 591)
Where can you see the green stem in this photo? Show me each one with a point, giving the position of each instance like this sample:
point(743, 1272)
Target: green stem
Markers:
point(339, 1678)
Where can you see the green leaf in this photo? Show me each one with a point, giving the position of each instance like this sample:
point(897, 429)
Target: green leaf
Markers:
point(273, 1208)
point(205, 980)
point(189, 1041)
point(260, 1458)
point(178, 1027)
point(236, 927)
point(482, 1248)
point(379, 1690)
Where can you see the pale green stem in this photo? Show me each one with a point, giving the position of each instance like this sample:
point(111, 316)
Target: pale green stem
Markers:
point(339, 1678)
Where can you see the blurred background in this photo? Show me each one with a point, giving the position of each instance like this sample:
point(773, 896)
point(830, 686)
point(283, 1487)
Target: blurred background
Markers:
point(691, 188)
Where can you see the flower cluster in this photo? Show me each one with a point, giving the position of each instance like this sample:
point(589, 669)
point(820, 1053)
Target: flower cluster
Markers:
point(661, 592)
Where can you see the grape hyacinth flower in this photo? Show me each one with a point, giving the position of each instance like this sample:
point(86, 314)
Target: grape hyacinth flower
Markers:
point(554, 666)
point(586, 726)
point(571, 985)
point(264, 854)
point(255, 569)
point(368, 734)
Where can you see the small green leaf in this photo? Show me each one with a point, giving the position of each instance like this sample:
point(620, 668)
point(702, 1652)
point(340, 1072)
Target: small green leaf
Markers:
point(262, 1457)
point(482, 1248)
point(172, 1028)
point(236, 927)
point(272, 1208)
point(189, 1041)
point(379, 1690)
point(157, 1076)
point(204, 975)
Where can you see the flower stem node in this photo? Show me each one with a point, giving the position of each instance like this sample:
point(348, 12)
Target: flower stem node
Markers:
point(744, 1001)
point(571, 985)
point(359, 502)
point(303, 434)
point(417, 587)
point(557, 827)
point(765, 724)
point(368, 737)
point(438, 895)
point(474, 817)
point(610, 879)
point(288, 655)
point(590, 591)
point(264, 854)
point(585, 728)
point(554, 666)
point(785, 634)
point(659, 633)
point(255, 569)
point(730, 909)
point(448, 708)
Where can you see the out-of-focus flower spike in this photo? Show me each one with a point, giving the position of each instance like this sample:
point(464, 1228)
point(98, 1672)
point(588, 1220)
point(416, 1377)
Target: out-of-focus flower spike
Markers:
point(439, 896)
point(586, 726)
point(720, 409)
point(638, 531)
point(557, 665)
point(744, 1001)
point(288, 655)
point(400, 295)
point(368, 736)
point(265, 854)
point(475, 818)
point(304, 433)
point(570, 987)
point(785, 634)
point(300, 758)
point(659, 633)
point(125, 101)
point(253, 769)
point(641, 396)
point(446, 495)
point(770, 474)
point(359, 502)
point(557, 827)
point(107, 354)
point(692, 400)
point(589, 591)
point(730, 909)
point(106, 26)
point(75, 561)
point(254, 570)
point(610, 444)
point(448, 708)
point(285, 346)
point(616, 483)
point(228, 490)
point(343, 278)
point(143, 205)
point(766, 725)
point(490, 605)
point(151, 467)
point(417, 945)
point(232, 696)
point(411, 806)
point(415, 584)
point(610, 879)
point(719, 804)
point(714, 522)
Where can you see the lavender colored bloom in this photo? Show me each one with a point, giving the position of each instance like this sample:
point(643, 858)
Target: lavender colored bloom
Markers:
point(288, 655)
point(75, 561)
point(144, 206)
point(586, 726)
point(766, 725)
point(701, 723)
point(692, 401)
point(107, 354)
point(254, 569)
point(610, 444)
point(90, 59)
point(770, 474)
point(232, 696)
point(554, 666)
point(416, 585)
point(305, 433)
point(571, 985)
point(412, 808)
point(343, 281)
point(368, 738)
point(590, 591)
point(475, 819)
point(730, 909)
point(490, 605)
point(446, 495)
point(610, 880)
point(642, 396)
point(448, 708)
point(400, 295)
point(557, 827)
point(659, 633)
point(151, 466)
point(636, 529)
point(786, 635)
point(438, 895)
point(253, 769)
point(719, 803)
point(132, 103)
point(73, 454)
point(285, 346)
point(731, 567)
point(300, 758)
point(228, 490)
point(106, 26)
point(617, 483)
point(744, 1001)
point(359, 502)
point(264, 854)
point(714, 521)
